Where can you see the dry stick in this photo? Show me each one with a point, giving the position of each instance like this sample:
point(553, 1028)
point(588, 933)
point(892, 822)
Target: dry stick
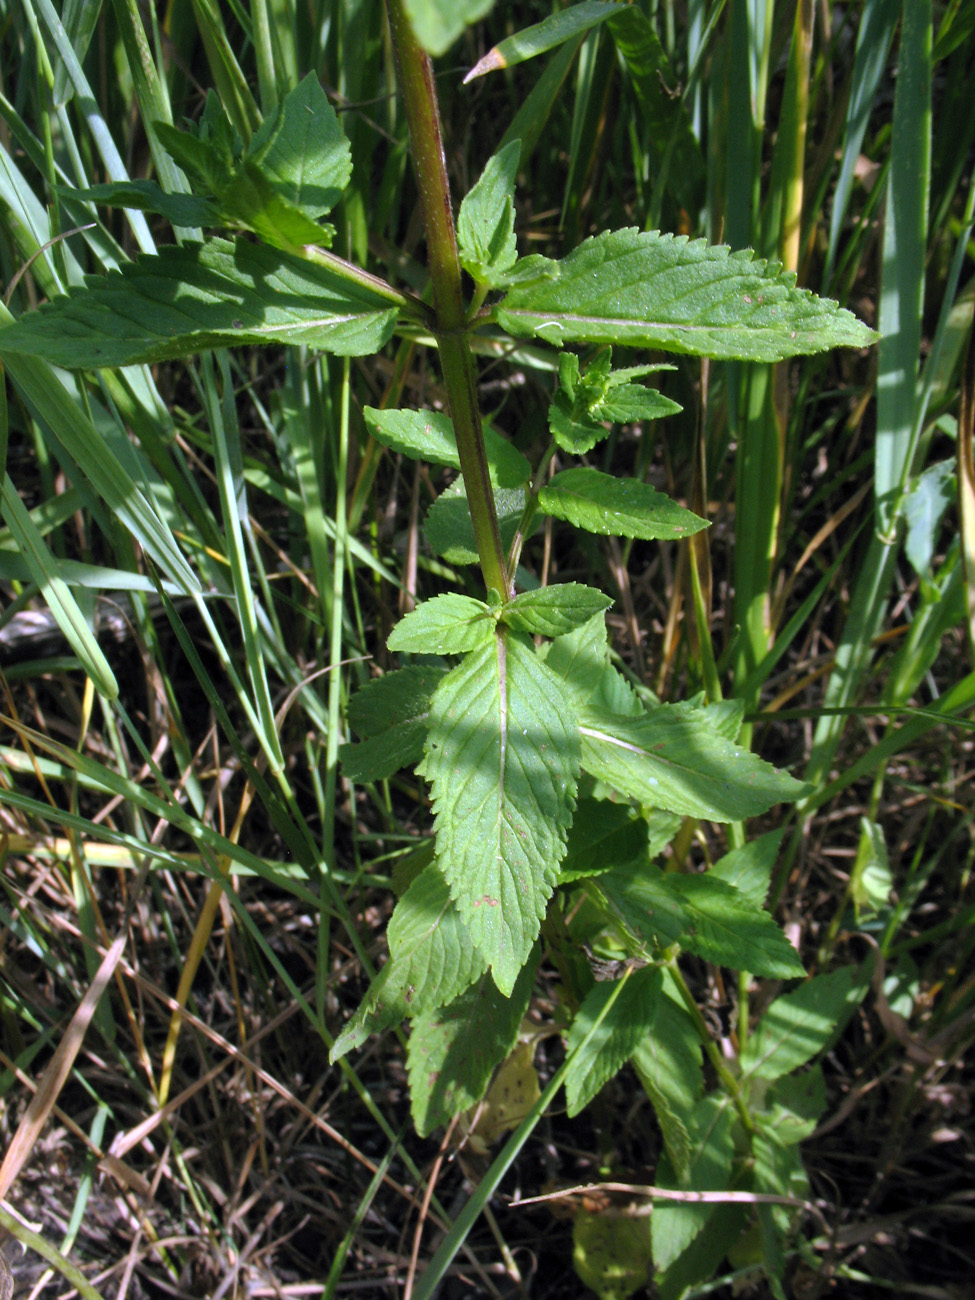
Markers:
point(693, 1198)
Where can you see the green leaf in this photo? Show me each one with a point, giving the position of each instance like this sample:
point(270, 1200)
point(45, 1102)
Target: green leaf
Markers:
point(438, 23)
point(429, 436)
point(553, 611)
point(447, 624)
point(615, 507)
point(725, 928)
point(486, 223)
point(454, 1049)
point(581, 659)
point(602, 836)
point(448, 526)
point(606, 1031)
point(778, 1171)
point(390, 713)
point(431, 961)
point(674, 759)
point(749, 868)
point(193, 297)
point(585, 403)
point(645, 289)
point(544, 36)
point(791, 1109)
point(302, 149)
point(677, 1223)
point(56, 593)
point(800, 1025)
point(636, 893)
point(502, 757)
point(147, 196)
point(668, 1062)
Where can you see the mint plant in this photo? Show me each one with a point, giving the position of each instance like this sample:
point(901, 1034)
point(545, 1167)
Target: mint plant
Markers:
point(555, 785)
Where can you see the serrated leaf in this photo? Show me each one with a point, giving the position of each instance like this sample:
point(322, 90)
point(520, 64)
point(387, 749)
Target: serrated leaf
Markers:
point(636, 892)
point(606, 1031)
point(677, 1223)
point(725, 928)
point(147, 196)
point(429, 436)
point(668, 1061)
point(431, 961)
point(749, 867)
point(777, 1170)
point(454, 1049)
point(502, 758)
point(602, 836)
point(645, 289)
point(581, 659)
point(673, 759)
point(448, 526)
point(554, 611)
point(486, 223)
point(438, 23)
point(585, 404)
point(192, 297)
point(799, 1025)
point(447, 624)
point(615, 507)
point(546, 35)
point(390, 713)
point(303, 150)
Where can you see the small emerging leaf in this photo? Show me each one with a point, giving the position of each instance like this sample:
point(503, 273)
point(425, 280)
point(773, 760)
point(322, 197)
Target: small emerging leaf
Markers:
point(615, 507)
point(645, 289)
point(585, 404)
point(554, 611)
point(486, 223)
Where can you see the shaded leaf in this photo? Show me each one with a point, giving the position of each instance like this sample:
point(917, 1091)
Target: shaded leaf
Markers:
point(602, 836)
point(148, 196)
point(659, 291)
point(431, 961)
point(677, 1223)
point(192, 297)
point(429, 436)
point(448, 526)
point(749, 868)
point(668, 1062)
point(581, 658)
point(611, 1253)
point(799, 1025)
point(724, 927)
point(390, 713)
point(606, 1031)
point(615, 507)
point(502, 758)
point(453, 1050)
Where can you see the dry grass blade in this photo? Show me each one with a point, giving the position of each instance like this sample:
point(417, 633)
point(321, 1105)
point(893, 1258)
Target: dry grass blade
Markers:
point(57, 1071)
